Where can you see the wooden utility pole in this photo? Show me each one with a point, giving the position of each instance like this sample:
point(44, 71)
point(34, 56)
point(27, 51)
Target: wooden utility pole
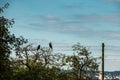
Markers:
point(103, 61)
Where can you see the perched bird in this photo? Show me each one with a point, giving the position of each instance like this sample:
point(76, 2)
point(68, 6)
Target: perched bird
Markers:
point(38, 47)
point(50, 45)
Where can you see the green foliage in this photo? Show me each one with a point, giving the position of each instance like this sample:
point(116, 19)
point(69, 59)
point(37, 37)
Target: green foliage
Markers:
point(8, 41)
point(44, 65)
point(5, 6)
point(81, 62)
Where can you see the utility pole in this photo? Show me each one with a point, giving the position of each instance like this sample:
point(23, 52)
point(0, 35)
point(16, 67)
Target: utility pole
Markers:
point(103, 61)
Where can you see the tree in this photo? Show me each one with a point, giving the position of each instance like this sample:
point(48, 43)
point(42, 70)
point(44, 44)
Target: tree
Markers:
point(8, 42)
point(81, 62)
point(37, 63)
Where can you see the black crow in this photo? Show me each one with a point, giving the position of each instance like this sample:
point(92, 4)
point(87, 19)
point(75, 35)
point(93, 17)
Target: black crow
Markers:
point(50, 45)
point(38, 47)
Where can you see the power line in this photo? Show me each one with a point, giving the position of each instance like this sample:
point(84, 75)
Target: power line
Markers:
point(112, 59)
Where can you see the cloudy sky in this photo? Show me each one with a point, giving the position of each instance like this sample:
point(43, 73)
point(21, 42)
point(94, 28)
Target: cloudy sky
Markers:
point(65, 22)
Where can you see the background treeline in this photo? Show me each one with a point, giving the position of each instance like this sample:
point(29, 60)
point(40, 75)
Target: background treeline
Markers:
point(33, 62)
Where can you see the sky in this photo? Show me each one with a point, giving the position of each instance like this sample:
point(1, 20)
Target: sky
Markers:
point(66, 22)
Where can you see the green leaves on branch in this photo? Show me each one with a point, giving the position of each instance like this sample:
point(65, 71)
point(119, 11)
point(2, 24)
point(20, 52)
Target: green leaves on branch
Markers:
point(81, 62)
point(8, 42)
point(4, 7)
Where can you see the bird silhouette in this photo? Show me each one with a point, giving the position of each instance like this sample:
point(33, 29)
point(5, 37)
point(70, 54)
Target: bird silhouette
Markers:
point(38, 47)
point(50, 45)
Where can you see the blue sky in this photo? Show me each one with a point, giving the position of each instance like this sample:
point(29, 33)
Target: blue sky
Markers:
point(65, 22)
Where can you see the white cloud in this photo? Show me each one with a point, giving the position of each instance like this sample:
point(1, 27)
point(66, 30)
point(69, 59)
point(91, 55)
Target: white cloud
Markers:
point(97, 18)
point(72, 6)
point(50, 18)
point(72, 28)
point(112, 0)
point(114, 35)
point(115, 0)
